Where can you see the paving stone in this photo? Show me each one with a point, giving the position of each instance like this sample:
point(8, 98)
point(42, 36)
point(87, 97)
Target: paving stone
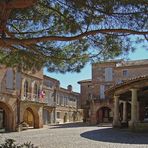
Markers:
point(79, 136)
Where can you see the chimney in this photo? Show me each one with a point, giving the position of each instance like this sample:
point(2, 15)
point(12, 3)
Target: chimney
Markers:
point(69, 87)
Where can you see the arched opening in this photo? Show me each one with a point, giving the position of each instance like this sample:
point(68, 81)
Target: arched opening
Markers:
point(26, 88)
point(145, 112)
point(104, 115)
point(121, 111)
point(2, 118)
point(46, 117)
point(35, 89)
point(36, 92)
point(65, 117)
point(74, 115)
point(31, 118)
point(6, 118)
point(128, 111)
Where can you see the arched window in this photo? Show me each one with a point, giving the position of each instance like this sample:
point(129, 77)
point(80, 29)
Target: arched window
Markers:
point(39, 90)
point(36, 90)
point(26, 88)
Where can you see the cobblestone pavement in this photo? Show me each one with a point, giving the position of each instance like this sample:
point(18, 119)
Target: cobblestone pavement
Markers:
point(79, 136)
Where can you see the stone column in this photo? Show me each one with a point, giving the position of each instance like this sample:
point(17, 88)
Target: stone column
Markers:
point(116, 122)
point(32, 91)
point(93, 118)
point(133, 107)
point(22, 90)
point(40, 113)
point(137, 111)
point(124, 111)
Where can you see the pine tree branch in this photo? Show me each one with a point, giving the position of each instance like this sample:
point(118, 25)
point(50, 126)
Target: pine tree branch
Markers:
point(17, 4)
point(72, 38)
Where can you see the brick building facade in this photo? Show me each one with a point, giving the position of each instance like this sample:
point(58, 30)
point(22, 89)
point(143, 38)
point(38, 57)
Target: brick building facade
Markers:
point(98, 106)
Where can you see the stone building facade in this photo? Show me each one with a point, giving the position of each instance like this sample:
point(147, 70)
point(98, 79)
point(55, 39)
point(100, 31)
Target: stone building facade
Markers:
point(66, 105)
point(30, 99)
point(62, 103)
point(20, 100)
point(50, 85)
point(98, 106)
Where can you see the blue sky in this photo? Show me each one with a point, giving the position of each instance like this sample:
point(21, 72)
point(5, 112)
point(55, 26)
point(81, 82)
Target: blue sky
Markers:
point(73, 78)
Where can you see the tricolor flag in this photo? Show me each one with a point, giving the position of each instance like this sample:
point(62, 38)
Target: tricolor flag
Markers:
point(42, 95)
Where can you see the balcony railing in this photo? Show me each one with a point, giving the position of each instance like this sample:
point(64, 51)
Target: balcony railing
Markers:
point(33, 98)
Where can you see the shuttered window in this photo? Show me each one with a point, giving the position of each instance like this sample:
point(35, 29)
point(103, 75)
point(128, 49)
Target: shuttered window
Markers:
point(108, 74)
point(58, 115)
point(102, 89)
point(9, 79)
point(18, 80)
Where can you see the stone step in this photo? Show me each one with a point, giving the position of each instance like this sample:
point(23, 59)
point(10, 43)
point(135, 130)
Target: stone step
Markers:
point(105, 124)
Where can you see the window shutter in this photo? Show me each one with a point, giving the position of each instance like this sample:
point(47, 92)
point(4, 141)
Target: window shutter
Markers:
point(9, 79)
point(108, 74)
point(18, 80)
point(102, 89)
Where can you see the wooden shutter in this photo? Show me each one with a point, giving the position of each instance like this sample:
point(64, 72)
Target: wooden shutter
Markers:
point(9, 79)
point(102, 89)
point(18, 80)
point(108, 74)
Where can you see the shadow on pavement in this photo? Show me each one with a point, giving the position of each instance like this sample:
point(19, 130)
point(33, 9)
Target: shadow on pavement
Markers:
point(116, 136)
point(70, 125)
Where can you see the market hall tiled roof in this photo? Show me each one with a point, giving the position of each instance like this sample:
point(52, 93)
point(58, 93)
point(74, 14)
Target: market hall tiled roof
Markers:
point(112, 89)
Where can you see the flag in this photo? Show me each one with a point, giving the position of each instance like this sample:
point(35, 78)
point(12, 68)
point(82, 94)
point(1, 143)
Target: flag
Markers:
point(42, 95)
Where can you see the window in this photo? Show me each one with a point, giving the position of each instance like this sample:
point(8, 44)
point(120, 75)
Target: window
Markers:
point(125, 73)
point(57, 99)
point(58, 114)
point(108, 74)
point(102, 89)
point(41, 93)
point(35, 89)
point(26, 89)
point(90, 96)
point(9, 78)
point(61, 99)
point(48, 83)
point(18, 80)
point(66, 100)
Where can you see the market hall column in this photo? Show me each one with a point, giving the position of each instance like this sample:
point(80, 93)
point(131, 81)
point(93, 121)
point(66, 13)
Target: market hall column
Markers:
point(124, 111)
point(134, 111)
point(116, 122)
